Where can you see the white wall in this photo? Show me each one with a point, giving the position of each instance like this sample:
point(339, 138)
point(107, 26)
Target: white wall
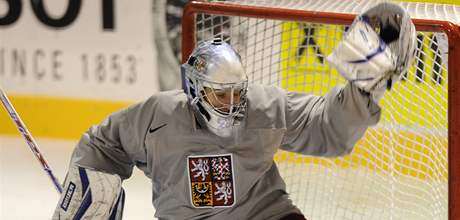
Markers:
point(81, 59)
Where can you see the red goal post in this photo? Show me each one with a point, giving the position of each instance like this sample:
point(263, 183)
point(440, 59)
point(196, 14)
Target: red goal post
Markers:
point(451, 30)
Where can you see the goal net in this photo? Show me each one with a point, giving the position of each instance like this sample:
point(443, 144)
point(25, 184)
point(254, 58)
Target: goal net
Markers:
point(401, 168)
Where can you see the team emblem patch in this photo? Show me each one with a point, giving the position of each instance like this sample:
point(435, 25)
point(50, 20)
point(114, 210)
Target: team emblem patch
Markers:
point(211, 180)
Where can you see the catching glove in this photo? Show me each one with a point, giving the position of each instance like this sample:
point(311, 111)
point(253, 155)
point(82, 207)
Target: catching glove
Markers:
point(377, 50)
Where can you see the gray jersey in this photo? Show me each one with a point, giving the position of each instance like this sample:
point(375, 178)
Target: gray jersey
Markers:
point(196, 175)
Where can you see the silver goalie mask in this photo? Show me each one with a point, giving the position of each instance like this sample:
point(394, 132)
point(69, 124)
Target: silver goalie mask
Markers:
point(215, 83)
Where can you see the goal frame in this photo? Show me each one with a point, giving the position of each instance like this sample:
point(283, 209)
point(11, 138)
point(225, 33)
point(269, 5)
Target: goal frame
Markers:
point(452, 31)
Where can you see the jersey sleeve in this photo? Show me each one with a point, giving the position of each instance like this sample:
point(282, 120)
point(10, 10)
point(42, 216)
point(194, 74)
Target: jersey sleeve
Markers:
point(117, 144)
point(328, 125)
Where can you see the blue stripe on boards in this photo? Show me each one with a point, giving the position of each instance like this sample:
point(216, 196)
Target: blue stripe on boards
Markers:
point(87, 200)
point(86, 194)
point(120, 204)
point(84, 180)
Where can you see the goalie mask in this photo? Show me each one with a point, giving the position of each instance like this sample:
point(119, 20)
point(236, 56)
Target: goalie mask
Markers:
point(215, 83)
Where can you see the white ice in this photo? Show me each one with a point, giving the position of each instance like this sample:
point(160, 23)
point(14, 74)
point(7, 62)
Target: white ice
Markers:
point(27, 193)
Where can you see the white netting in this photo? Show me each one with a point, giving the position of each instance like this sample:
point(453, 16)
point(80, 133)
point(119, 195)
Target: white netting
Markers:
point(431, 11)
point(399, 169)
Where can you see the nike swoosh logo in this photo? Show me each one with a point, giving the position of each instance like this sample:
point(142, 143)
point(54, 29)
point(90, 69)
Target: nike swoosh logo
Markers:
point(155, 129)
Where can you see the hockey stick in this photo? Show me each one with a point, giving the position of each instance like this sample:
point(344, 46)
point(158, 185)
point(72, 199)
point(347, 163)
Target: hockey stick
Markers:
point(29, 139)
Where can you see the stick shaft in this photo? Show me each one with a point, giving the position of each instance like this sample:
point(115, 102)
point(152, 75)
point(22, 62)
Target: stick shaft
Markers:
point(29, 139)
